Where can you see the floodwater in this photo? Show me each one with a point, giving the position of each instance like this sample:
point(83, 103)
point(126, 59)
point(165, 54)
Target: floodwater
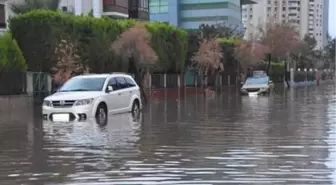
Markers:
point(288, 138)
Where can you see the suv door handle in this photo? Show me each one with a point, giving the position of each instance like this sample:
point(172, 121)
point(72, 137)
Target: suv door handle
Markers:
point(119, 94)
point(130, 92)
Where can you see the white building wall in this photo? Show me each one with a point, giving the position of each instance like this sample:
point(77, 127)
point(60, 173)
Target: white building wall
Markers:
point(311, 17)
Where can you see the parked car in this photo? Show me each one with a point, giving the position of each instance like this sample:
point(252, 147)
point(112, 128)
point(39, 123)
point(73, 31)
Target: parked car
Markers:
point(93, 96)
point(257, 85)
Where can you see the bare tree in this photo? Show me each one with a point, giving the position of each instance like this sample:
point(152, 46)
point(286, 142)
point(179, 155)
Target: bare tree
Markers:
point(134, 46)
point(279, 38)
point(249, 53)
point(135, 43)
point(68, 62)
point(208, 58)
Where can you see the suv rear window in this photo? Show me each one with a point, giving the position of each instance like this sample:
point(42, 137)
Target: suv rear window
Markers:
point(130, 82)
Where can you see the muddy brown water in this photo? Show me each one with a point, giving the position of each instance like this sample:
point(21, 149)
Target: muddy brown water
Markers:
point(288, 138)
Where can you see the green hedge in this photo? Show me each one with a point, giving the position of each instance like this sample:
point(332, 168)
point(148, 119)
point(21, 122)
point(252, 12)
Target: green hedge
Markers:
point(11, 57)
point(38, 31)
point(276, 68)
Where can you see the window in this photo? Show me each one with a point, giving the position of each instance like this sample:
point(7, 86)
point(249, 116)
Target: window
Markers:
point(121, 82)
point(2, 16)
point(83, 84)
point(158, 6)
point(141, 5)
point(113, 83)
point(130, 82)
point(109, 2)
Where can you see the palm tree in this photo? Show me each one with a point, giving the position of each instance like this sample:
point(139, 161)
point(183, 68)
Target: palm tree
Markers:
point(25, 6)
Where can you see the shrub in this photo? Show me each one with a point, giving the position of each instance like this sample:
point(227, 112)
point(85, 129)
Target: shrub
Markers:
point(39, 31)
point(277, 68)
point(11, 57)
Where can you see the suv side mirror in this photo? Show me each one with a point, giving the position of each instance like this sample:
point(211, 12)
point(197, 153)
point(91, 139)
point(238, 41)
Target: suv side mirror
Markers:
point(109, 89)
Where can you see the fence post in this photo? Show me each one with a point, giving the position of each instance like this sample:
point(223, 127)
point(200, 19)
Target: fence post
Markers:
point(165, 80)
point(178, 81)
point(150, 81)
point(30, 83)
point(49, 83)
point(229, 80)
point(195, 81)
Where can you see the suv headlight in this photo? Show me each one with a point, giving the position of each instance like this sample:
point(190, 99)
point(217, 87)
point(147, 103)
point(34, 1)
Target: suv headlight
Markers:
point(83, 102)
point(47, 103)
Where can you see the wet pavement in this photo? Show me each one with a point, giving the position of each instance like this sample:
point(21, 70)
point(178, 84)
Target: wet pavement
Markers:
point(288, 138)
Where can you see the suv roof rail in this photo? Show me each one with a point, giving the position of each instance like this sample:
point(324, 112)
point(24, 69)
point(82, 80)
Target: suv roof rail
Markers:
point(119, 73)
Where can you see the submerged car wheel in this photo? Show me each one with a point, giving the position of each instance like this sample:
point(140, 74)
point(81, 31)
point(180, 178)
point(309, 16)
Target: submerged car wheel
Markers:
point(101, 115)
point(135, 108)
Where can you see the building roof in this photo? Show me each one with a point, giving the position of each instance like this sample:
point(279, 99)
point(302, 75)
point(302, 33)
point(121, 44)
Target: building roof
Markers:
point(244, 2)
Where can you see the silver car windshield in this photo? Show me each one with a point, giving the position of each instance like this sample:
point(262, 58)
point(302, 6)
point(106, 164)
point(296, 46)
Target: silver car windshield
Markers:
point(257, 81)
point(83, 84)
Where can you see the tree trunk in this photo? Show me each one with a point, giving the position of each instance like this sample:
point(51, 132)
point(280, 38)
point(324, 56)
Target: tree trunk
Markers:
point(138, 77)
point(285, 72)
point(268, 67)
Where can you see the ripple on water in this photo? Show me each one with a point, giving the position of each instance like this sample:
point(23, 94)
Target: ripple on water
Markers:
point(285, 139)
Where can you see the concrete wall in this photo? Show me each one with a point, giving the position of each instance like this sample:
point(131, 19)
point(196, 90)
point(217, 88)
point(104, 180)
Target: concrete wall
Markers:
point(16, 108)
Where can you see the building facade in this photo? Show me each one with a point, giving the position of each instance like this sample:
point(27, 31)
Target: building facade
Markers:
point(137, 9)
point(310, 16)
point(190, 14)
point(3, 15)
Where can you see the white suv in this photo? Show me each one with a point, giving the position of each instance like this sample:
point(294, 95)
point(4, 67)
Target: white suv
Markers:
point(93, 96)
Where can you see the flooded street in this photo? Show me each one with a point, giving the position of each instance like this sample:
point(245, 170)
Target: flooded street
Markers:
point(288, 138)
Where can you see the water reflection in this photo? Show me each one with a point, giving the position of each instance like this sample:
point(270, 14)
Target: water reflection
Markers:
point(287, 138)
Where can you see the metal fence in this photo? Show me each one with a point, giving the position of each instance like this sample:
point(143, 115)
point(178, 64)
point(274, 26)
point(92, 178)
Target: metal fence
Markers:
point(301, 76)
point(39, 84)
point(190, 79)
point(18, 83)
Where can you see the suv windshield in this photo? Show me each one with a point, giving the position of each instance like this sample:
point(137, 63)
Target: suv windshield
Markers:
point(83, 84)
point(257, 80)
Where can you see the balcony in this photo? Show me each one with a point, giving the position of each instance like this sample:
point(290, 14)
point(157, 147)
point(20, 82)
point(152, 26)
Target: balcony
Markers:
point(245, 2)
point(115, 8)
point(138, 9)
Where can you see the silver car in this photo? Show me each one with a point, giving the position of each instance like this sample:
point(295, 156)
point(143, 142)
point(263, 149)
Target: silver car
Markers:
point(258, 85)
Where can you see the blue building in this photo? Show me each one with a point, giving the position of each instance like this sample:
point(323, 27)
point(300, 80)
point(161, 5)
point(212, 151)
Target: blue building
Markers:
point(189, 14)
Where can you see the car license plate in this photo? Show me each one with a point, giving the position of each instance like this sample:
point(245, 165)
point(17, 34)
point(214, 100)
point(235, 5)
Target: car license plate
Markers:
point(61, 117)
point(253, 94)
